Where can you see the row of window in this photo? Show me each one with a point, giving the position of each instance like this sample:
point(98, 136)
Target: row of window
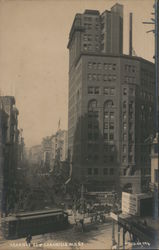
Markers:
point(146, 95)
point(90, 37)
point(97, 90)
point(130, 148)
point(101, 66)
point(108, 136)
point(95, 171)
point(89, 26)
point(89, 46)
point(147, 74)
point(130, 137)
point(100, 77)
point(92, 105)
point(131, 105)
point(108, 115)
point(129, 79)
point(108, 125)
point(130, 159)
point(129, 91)
point(107, 148)
point(130, 68)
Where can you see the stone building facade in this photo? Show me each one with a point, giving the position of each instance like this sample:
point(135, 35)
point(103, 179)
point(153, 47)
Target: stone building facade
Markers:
point(111, 109)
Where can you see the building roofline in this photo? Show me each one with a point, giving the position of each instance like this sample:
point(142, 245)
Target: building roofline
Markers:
point(137, 58)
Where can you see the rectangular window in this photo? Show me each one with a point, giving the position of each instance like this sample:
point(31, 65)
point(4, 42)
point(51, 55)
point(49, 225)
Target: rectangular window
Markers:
point(90, 125)
point(89, 46)
point(89, 171)
point(111, 136)
point(89, 37)
point(94, 66)
point(106, 91)
point(95, 171)
point(99, 66)
point(130, 158)
point(109, 78)
point(89, 77)
point(111, 125)
point(84, 37)
point(96, 124)
point(85, 46)
point(97, 26)
point(106, 136)
point(124, 126)
point(96, 90)
point(105, 66)
point(111, 171)
point(124, 137)
point(90, 136)
point(114, 67)
point(130, 149)
point(97, 38)
point(89, 26)
point(124, 159)
point(99, 77)
point(105, 171)
point(124, 148)
point(106, 116)
point(124, 91)
point(124, 116)
point(114, 77)
point(111, 115)
point(112, 148)
point(94, 77)
point(89, 65)
point(106, 125)
point(90, 90)
point(112, 91)
point(105, 77)
point(97, 47)
point(110, 66)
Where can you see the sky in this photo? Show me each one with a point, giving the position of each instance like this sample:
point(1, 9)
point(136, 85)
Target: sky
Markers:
point(34, 55)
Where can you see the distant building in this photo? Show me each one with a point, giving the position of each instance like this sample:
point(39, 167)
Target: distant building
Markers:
point(9, 151)
point(53, 147)
point(47, 153)
point(35, 155)
point(111, 107)
point(60, 145)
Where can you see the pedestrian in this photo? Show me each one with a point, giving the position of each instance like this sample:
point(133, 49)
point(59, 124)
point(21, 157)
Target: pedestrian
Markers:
point(28, 239)
point(81, 221)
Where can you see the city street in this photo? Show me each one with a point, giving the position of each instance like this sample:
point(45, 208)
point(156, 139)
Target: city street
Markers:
point(94, 237)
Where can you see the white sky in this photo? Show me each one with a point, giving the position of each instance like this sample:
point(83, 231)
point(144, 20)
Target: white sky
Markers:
point(34, 55)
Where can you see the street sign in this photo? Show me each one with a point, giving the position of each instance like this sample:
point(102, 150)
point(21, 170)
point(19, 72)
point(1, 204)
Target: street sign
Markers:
point(114, 216)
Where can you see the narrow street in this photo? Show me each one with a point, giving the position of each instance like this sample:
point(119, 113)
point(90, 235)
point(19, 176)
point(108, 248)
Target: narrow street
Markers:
point(94, 237)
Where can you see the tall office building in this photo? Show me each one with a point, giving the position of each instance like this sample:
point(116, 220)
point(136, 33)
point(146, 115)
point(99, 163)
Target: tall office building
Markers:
point(111, 106)
point(93, 32)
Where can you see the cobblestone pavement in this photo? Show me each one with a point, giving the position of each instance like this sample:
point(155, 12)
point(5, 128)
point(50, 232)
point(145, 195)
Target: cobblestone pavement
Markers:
point(94, 237)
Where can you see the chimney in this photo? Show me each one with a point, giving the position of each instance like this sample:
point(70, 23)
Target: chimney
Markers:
point(130, 34)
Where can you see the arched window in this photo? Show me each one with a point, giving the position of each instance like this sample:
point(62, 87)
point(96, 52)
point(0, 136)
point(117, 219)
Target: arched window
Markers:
point(108, 104)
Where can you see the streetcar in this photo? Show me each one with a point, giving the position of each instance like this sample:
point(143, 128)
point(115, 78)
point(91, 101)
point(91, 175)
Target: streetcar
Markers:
point(36, 222)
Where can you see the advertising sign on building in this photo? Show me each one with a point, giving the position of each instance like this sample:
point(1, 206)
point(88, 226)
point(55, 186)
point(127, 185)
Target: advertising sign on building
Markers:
point(129, 203)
